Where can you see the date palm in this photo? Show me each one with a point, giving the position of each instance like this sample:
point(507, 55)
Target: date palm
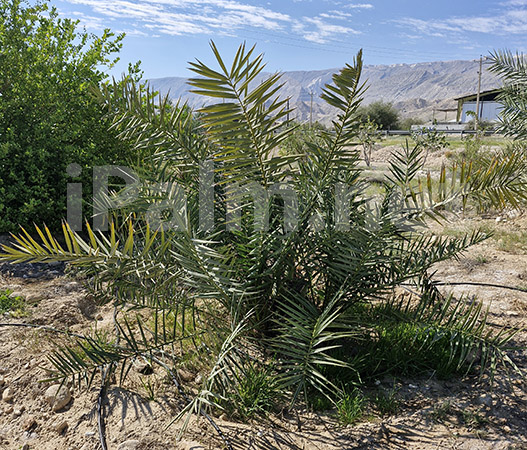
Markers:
point(234, 291)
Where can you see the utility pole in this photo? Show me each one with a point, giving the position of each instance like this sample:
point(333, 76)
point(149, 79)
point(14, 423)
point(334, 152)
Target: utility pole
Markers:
point(476, 124)
point(311, 111)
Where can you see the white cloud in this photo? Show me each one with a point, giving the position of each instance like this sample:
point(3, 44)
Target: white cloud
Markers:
point(337, 15)
point(315, 29)
point(360, 6)
point(225, 17)
point(177, 17)
point(506, 21)
point(87, 21)
point(515, 3)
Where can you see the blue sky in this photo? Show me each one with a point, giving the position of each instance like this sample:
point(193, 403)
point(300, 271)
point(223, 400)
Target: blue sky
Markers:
point(303, 34)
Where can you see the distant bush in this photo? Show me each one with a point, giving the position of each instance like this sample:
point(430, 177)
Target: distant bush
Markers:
point(381, 113)
point(48, 116)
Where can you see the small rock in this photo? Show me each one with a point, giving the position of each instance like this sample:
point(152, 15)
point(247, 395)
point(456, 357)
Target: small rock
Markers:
point(485, 400)
point(507, 429)
point(17, 412)
point(198, 379)
point(57, 396)
point(185, 375)
point(144, 368)
point(26, 436)
point(25, 446)
point(89, 433)
point(2, 380)
point(8, 410)
point(7, 395)
point(132, 444)
point(29, 423)
point(499, 219)
point(60, 426)
point(99, 317)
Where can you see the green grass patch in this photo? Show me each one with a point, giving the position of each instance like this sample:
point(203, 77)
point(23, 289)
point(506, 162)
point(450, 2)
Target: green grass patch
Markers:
point(350, 407)
point(15, 305)
point(257, 393)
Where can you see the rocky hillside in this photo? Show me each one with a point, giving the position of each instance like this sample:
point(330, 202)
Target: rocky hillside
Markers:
point(415, 89)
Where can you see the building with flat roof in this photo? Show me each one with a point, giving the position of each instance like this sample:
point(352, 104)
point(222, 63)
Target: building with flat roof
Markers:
point(489, 107)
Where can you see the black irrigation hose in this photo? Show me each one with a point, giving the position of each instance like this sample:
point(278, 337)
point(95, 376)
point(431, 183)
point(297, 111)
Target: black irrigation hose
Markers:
point(474, 283)
point(471, 283)
point(185, 396)
point(103, 392)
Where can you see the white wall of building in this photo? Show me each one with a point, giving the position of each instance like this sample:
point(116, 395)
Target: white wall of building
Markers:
point(488, 111)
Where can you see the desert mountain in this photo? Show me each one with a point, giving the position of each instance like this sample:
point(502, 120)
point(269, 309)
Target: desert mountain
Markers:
point(415, 89)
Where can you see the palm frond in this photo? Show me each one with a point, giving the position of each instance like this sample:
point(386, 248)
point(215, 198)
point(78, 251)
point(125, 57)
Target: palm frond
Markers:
point(250, 124)
point(306, 338)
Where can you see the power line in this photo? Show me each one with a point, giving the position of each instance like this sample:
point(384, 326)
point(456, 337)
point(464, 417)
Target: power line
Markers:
point(335, 43)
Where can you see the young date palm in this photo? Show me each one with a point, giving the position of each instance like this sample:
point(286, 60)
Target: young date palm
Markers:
point(293, 249)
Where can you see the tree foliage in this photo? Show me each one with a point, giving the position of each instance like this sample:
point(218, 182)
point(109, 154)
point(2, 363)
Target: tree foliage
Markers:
point(382, 113)
point(48, 117)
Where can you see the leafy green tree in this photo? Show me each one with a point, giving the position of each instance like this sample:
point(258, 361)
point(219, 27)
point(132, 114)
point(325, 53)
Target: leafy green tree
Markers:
point(48, 116)
point(382, 113)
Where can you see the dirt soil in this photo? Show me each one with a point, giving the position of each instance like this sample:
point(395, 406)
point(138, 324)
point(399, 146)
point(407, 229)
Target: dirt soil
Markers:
point(466, 413)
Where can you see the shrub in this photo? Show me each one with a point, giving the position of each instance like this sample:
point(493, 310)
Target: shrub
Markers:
point(298, 141)
point(257, 392)
point(430, 139)
point(48, 117)
point(368, 136)
point(382, 113)
point(285, 276)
